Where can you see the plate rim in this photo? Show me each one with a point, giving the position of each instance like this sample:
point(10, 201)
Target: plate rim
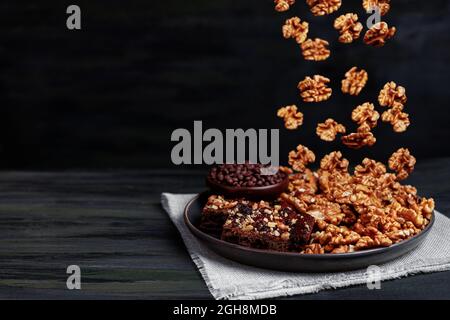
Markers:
point(356, 254)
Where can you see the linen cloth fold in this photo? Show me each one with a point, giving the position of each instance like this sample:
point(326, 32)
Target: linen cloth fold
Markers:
point(227, 279)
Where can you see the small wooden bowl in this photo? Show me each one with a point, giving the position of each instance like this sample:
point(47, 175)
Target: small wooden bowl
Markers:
point(265, 192)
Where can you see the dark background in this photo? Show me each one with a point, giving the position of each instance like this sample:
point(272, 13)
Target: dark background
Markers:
point(110, 95)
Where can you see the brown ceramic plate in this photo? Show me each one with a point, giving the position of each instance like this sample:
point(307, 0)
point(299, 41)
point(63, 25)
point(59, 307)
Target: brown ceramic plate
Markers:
point(289, 261)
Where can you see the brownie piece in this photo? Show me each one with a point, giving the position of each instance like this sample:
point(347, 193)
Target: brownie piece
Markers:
point(303, 228)
point(216, 212)
point(270, 226)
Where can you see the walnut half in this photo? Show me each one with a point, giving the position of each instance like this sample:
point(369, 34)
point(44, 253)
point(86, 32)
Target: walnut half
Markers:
point(315, 89)
point(397, 118)
point(328, 130)
point(300, 158)
point(349, 27)
point(392, 96)
point(363, 137)
point(283, 5)
point(378, 34)
point(315, 50)
point(354, 81)
point(323, 7)
point(382, 5)
point(365, 114)
point(296, 29)
point(402, 162)
point(292, 118)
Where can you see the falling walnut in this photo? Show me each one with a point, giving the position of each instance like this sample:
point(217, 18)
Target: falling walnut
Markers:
point(382, 5)
point(348, 27)
point(323, 7)
point(377, 35)
point(334, 162)
point(300, 158)
point(366, 114)
point(315, 50)
point(315, 89)
point(283, 5)
point(392, 96)
point(292, 118)
point(370, 167)
point(296, 29)
point(397, 118)
point(402, 162)
point(328, 130)
point(362, 138)
point(354, 81)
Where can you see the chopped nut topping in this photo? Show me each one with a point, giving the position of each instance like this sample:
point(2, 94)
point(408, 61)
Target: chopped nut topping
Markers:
point(315, 50)
point(392, 96)
point(323, 7)
point(295, 29)
point(315, 89)
point(354, 81)
point(349, 27)
point(397, 118)
point(292, 118)
point(328, 130)
point(366, 114)
point(300, 158)
point(382, 5)
point(402, 162)
point(378, 34)
point(283, 5)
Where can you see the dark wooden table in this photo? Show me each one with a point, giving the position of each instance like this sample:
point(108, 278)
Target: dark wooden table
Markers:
point(112, 225)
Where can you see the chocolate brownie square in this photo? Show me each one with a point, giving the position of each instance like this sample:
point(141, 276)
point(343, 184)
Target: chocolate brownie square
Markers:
point(269, 226)
point(217, 210)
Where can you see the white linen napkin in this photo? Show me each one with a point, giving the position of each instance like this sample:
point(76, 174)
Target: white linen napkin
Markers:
point(227, 279)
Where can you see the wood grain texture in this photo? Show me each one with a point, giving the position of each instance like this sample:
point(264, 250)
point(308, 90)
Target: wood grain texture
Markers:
point(112, 225)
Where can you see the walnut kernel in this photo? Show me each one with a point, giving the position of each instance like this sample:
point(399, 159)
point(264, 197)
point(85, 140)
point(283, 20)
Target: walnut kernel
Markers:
point(328, 130)
point(314, 89)
point(323, 7)
point(365, 114)
point(397, 118)
point(354, 81)
point(292, 118)
point(382, 5)
point(315, 50)
point(299, 158)
point(349, 27)
point(402, 162)
point(363, 137)
point(283, 5)
point(378, 34)
point(296, 29)
point(392, 96)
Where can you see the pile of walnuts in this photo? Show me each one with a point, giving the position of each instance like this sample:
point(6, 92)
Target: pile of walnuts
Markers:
point(367, 209)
